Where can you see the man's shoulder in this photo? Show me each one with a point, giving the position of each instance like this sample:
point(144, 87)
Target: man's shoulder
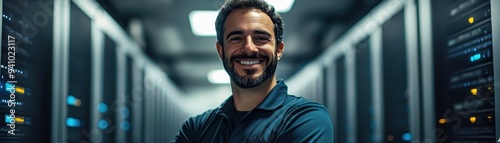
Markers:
point(300, 107)
point(306, 121)
point(300, 102)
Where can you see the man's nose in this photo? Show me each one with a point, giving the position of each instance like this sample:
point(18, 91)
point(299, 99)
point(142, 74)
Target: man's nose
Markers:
point(249, 46)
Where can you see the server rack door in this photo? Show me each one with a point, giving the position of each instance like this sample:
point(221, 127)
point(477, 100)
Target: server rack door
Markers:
point(108, 106)
point(131, 102)
point(495, 22)
point(364, 109)
point(149, 90)
point(138, 101)
point(165, 136)
point(163, 122)
point(341, 115)
point(396, 108)
point(123, 111)
point(26, 71)
point(156, 111)
point(330, 95)
point(79, 86)
point(463, 71)
point(326, 90)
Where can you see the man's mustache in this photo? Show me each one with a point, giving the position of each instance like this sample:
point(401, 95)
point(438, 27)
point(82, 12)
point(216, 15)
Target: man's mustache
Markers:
point(245, 56)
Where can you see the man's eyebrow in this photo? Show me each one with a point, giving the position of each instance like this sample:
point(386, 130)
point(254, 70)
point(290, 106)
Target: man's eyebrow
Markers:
point(233, 33)
point(262, 32)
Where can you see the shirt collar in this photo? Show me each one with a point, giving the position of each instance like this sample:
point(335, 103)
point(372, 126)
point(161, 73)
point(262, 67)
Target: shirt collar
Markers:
point(273, 100)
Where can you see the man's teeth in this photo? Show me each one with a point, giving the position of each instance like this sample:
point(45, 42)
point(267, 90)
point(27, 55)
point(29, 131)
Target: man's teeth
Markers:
point(249, 62)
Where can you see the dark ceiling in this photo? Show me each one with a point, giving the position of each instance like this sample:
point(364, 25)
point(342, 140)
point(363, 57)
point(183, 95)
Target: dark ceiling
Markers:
point(165, 33)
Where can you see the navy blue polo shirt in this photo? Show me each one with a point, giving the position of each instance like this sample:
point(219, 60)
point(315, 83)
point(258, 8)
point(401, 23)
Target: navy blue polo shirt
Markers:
point(278, 118)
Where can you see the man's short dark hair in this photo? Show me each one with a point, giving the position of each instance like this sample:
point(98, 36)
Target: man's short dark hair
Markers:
point(231, 5)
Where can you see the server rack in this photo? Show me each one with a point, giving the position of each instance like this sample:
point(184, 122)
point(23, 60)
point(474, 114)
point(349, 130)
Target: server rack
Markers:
point(343, 64)
point(364, 98)
point(149, 91)
point(78, 100)
point(130, 101)
point(462, 70)
point(341, 94)
point(109, 104)
point(137, 102)
point(123, 110)
point(128, 97)
point(394, 62)
point(25, 66)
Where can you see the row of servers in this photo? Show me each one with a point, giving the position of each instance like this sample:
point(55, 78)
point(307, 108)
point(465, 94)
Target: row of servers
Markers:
point(412, 71)
point(70, 74)
point(409, 71)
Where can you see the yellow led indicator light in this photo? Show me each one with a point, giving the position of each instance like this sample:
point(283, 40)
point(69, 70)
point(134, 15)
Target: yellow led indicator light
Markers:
point(489, 117)
point(20, 90)
point(472, 119)
point(471, 20)
point(442, 121)
point(390, 138)
point(473, 91)
point(78, 102)
point(19, 120)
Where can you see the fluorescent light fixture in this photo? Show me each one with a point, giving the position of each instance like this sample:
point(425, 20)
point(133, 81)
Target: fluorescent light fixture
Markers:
point(203, 22)
point(218, 77)
point(281, 5)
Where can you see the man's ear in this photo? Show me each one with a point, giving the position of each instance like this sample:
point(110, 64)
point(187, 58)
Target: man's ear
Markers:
point(279, 50)
point(219, 49)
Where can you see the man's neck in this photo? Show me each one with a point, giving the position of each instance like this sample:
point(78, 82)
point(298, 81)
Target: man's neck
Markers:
point(246, 99)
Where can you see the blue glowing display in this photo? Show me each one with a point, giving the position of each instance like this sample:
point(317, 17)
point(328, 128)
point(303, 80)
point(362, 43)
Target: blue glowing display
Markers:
point(71, 100)
point(103, 107)
point(125, 125)
point(72, 122)
point(103, 124)
point(406, 137)
point(9, 86)
point(7, 118)
point(475, 57)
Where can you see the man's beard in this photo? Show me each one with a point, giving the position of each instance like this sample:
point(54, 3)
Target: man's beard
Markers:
point(247, 81)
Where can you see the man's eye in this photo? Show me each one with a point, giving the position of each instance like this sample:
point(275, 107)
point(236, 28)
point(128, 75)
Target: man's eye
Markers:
point(235, 39)
point(262, 39)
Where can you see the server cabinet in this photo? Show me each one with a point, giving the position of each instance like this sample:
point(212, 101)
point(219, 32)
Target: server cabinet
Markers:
point(26, 68)
point(78, 98)
point(130, 100)
point(138, 104)
point(340, 105)
point(464, 70)
point(150, 91)
point(395, 85)
point(364, 105)
point(108, 107)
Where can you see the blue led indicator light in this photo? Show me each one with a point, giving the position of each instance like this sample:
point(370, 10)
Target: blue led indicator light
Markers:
point(72, 122)
point(103, 124)
point(8, 86)
point(125, 125)
point(7, 118)
point(70, 100)
point(103, 107)
point(475, 57)
point(407, 137)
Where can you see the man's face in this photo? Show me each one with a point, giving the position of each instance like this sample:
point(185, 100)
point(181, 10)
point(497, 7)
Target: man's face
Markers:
point(249, 53)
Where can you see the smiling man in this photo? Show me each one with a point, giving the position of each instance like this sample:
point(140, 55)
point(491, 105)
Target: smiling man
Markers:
point(250, 44)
